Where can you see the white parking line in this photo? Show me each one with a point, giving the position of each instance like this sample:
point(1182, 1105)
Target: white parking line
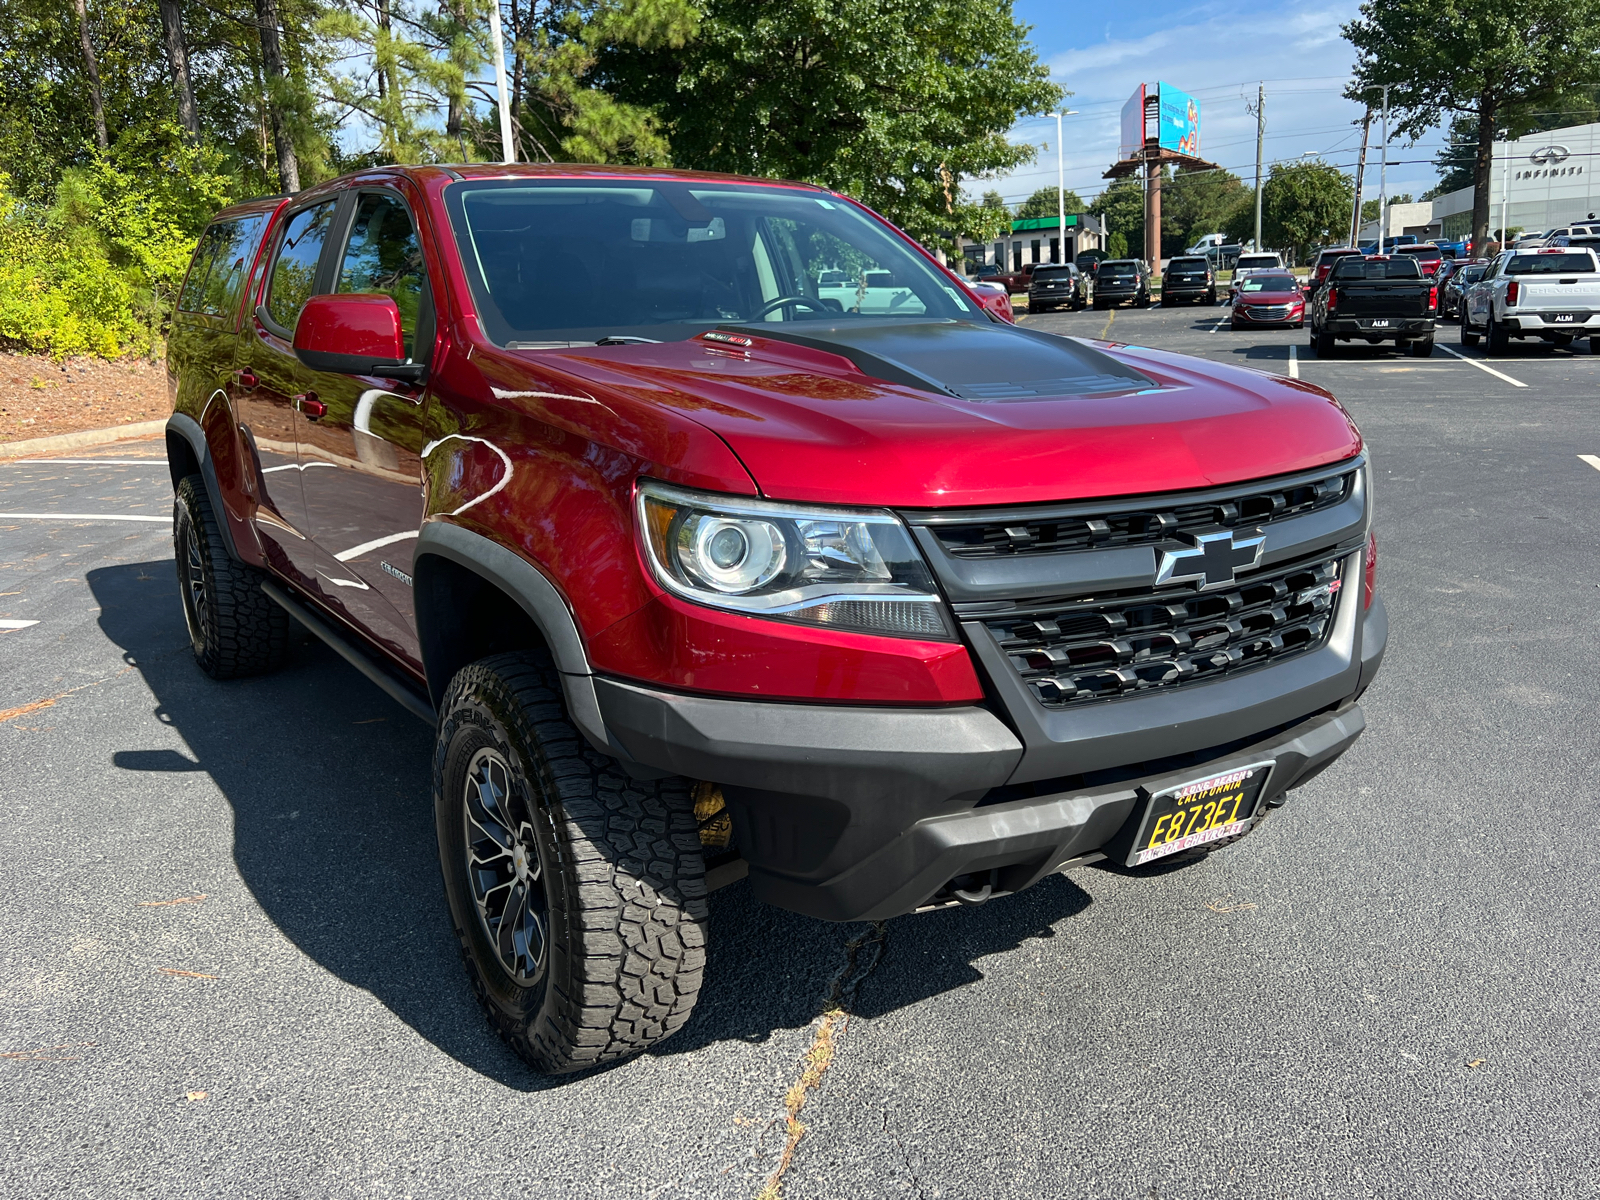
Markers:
point(1294, 362)
point(9, 516)
point(358, 551)
point(1592, 459)
point(16, 624)
point(1221, 321)
point(94, 462)
point(1483, 367)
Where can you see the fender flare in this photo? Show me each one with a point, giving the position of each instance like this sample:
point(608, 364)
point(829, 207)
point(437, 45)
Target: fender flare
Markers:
point(183, 426)
point(537, 597)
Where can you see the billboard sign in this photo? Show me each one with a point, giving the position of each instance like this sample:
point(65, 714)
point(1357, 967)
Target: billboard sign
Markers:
point(1180, 120)
point(1132, 140)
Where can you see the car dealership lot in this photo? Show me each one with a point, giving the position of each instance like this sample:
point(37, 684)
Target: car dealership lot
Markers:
point(228, 969)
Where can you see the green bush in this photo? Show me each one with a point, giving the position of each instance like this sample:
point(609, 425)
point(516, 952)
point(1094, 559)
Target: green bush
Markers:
point(95, 271)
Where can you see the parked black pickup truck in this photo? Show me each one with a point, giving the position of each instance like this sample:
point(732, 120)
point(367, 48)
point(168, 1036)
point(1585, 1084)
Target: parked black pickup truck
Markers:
point(1378, 298)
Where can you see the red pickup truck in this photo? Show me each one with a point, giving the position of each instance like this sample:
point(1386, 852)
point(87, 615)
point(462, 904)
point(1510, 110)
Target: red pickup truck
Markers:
point(716, 530)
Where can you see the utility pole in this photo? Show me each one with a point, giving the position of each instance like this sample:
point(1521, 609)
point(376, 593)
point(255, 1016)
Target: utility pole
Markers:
point(1505, 195)
point(1361, 170)
point(1383, 179)
point(1261, 133)
point(508, 144)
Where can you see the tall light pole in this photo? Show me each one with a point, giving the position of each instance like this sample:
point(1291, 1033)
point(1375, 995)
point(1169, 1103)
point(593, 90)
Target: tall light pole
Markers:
point(1505, 194)
point(1061, 187)
point(1383, 179)
point(508, 145)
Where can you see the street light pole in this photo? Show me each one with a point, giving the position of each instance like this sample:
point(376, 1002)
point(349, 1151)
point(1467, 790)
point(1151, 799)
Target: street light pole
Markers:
point(1061, 187)
point(508, 146)
point(1261, 133)
point(1383, 179)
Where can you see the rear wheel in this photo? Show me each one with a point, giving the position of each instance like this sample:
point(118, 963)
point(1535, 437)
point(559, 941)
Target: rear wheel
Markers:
point(577, 894)
point(1594, 345)
point(1496, 341)
point(1324, 345)
point(1422, 348)
point(1468, 337)
point(234, 627)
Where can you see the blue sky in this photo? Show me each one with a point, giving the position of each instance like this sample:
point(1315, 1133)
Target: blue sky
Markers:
point(1216, 52)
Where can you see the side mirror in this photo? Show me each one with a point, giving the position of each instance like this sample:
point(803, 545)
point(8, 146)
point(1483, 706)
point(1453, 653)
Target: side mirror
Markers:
point(354, 334)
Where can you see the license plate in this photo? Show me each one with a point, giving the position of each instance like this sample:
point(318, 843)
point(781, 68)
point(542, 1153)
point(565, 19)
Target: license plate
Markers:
point(1193, 814)
point(1562, 317)
point(1381, 322)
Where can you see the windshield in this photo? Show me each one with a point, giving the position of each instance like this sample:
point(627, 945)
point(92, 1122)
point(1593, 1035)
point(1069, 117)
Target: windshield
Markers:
point(581, 260)
point(1549, 264)
point(1472, 274)
point(1377, 268)
point(1269, 283)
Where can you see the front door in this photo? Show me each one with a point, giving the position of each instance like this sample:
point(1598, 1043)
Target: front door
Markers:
point(361, 464)
point(267, 379)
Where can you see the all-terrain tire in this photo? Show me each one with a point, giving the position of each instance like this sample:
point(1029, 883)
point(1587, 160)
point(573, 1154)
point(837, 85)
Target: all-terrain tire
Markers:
point(1468, 337)
point(1324, 345)
point(619, 863)
point(1422, 348)
point(235, 628)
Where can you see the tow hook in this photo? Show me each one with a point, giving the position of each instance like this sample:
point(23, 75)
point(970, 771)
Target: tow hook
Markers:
point(968, 896)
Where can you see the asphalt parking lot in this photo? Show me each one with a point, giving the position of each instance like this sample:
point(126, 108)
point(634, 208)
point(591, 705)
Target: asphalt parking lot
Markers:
point(227, 968)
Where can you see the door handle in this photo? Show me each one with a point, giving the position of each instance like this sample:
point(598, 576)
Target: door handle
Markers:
point(247, 378)
point(307, 403)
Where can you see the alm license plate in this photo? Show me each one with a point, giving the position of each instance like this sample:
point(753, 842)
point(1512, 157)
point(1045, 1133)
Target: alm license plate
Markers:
point(1205, 810)
point(1380, 323)
point(1559, 317)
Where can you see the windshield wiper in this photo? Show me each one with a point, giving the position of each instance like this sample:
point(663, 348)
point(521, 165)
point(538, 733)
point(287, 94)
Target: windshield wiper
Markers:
point(622, 339)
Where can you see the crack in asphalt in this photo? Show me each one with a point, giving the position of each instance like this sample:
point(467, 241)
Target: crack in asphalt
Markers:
point(831, 1023)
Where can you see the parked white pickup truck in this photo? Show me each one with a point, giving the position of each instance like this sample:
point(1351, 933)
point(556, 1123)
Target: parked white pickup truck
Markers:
point(1551, 293)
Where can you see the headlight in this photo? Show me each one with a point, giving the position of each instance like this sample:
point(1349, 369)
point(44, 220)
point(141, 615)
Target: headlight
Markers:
point(841, 568)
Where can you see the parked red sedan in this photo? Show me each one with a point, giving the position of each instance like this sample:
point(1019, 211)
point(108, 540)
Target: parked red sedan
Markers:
point(1270, 300)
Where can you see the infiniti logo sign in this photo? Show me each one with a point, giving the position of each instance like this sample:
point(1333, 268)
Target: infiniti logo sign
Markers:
point(1549, 155)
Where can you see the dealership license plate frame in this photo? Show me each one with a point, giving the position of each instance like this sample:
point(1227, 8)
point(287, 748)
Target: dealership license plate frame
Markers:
point(1252, 780)
point(1564, 318)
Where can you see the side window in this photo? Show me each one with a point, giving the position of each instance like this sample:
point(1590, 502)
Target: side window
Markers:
point(294, 272)
point(236, 243)
point(383, 255)
point(205, 254)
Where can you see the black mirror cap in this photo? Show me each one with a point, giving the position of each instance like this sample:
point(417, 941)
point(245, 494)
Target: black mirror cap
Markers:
point(355, 364)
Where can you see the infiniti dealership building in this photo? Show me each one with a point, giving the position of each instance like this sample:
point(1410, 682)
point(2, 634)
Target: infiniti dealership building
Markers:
point(1546, 179)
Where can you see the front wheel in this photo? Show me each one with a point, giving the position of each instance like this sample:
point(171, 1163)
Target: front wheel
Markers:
point(234, 627)
point(578, 894)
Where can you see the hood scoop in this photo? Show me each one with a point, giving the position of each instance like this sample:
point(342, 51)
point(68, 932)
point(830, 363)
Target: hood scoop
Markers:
point(978, 363)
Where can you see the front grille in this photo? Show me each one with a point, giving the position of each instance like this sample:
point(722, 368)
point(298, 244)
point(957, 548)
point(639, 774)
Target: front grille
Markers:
point(1071, 654)
point(1267, 310)
point(1142, 526)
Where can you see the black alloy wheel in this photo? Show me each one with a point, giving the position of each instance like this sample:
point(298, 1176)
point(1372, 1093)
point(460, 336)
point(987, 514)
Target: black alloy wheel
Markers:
point(577, 893)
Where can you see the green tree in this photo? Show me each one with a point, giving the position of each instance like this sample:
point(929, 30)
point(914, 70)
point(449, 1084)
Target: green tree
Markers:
point(1305, 204)
point(1043, 204)
point(1480, 58)
point(993, 199)
point(890, 101)
point(1121, 208)
point(1195, 203)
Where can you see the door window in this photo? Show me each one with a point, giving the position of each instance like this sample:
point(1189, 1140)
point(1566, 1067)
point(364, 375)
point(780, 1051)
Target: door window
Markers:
point(383, 255)
point(234, 243)
point(294, 273)
point(194, 286)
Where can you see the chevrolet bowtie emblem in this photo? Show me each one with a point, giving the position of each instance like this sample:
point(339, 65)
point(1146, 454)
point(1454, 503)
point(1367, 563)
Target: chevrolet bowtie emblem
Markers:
point(1211, 559)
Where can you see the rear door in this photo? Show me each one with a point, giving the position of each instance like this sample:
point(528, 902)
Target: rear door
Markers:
point(267, 380)
point(361, 460)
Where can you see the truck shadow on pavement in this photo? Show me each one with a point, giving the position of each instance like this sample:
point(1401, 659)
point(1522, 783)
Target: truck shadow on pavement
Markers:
point(333, 835)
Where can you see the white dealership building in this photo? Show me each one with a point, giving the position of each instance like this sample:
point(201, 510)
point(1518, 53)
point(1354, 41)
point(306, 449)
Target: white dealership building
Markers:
point(1544, 180)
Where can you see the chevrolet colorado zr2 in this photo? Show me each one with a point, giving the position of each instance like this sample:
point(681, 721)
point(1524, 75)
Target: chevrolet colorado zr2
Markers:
point(716, 530)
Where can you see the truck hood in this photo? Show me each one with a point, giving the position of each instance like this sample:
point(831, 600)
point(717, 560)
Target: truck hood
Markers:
point(943, 413)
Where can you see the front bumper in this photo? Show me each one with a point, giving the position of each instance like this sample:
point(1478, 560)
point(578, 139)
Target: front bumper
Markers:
point(863, 813)
point(1397, 327)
